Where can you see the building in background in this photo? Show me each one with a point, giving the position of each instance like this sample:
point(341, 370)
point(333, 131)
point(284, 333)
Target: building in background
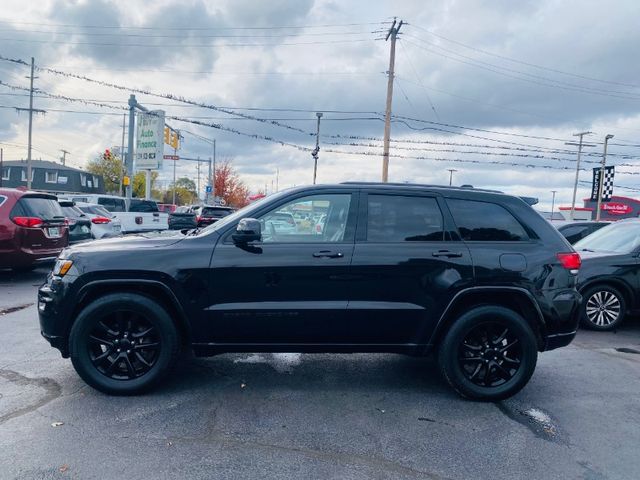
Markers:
point(615, 209)
point(50, 177)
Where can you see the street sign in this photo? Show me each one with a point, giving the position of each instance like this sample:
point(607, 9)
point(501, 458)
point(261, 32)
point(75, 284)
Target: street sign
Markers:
point(171, 157)
point(149, 141)
point(207, 189)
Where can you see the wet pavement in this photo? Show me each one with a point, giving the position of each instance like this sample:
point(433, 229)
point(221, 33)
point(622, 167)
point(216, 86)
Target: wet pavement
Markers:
point(297, 416)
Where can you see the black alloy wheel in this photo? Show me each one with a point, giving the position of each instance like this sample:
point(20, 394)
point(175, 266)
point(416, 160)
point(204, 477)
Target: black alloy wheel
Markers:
point(123, 343)
point(489, 353)
point(603, 308)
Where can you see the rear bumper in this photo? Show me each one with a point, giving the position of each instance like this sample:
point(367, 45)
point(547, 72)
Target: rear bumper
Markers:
point(28, 257)
point(562, 316)
point(558, 340)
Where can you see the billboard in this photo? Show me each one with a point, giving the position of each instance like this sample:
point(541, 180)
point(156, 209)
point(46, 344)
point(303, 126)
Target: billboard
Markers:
point(149, 140)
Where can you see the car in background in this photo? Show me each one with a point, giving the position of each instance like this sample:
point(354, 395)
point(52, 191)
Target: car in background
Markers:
point(210, 214)
point(136, 215)
point(574, 231)
point(79, 223)
point(183, 219)
point(167, 207)
point(319, 227)
point(608, 279)
point(279, 223)
point(33, 228)
point(103, 223)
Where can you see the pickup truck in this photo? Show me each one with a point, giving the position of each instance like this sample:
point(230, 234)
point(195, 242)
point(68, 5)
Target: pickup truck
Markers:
point(136, 215)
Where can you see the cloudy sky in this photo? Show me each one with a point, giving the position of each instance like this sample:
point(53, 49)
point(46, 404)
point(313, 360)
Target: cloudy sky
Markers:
point(493, 89)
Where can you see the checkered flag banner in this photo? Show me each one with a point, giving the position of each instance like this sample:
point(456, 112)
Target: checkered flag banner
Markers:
point(607, 185)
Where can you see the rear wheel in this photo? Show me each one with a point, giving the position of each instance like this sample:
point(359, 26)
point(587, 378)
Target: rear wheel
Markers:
point(123, 343)
point(489, 353)
point(603, 308)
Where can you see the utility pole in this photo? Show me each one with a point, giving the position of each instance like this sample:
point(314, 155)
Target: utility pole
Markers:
point(64, 156)
point(29, 172)
point(451, 170)
point(553, 202)
point(213, 181)
point(604, 163)
point(316, 150)
point(175, 153)
point(277, 178)
point(124, 119)
point(1, 167)
point(393, 33)
point(575, 183)
point(129, 162)
point(198, 189)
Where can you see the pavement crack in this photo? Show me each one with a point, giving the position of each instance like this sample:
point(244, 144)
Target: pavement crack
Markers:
point(51, 389)
point(17, 308)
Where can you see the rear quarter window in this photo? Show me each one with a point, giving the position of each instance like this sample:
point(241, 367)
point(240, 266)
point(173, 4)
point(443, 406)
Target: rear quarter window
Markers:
point(485, 222)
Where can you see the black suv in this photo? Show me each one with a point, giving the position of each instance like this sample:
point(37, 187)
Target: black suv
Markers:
point(476, 276)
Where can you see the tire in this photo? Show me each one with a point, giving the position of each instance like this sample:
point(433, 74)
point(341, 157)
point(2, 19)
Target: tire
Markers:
point(488, 374)
point(603, 308)
point(123, 344)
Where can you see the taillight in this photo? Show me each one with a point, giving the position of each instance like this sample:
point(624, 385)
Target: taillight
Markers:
point(198, 218)
point(570, 261)
point(30, 222)
point(100, 220)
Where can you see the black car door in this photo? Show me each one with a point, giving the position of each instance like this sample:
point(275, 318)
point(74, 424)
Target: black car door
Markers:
point(408, 265)
point(291, 286)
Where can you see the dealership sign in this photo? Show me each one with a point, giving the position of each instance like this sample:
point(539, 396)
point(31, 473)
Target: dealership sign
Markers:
point(616, 208)
point(149, 140)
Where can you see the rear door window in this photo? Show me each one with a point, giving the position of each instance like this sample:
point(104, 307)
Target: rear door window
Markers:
point(44, 208)
point(397, 218)
point(143, 206)
point(485, 222)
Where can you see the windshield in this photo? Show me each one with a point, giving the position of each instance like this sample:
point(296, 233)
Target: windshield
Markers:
point(622, 237)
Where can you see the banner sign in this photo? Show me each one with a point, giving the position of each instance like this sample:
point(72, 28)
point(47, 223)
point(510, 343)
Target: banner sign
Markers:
point(607, 184)
point(149, 140)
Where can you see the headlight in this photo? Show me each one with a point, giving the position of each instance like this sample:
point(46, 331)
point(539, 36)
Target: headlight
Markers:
point(62, 267)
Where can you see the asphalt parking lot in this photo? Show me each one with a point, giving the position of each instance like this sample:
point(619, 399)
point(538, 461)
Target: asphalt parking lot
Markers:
point(314, 416)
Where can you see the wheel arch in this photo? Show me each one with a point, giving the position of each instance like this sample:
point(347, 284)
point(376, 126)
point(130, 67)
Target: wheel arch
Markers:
point(153, 289)
point(517, 299)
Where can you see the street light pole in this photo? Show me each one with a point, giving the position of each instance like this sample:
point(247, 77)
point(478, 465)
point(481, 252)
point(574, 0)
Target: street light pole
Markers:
point(553, 202)
point(451, 170)
point(575, 183)
point(316, 151)
point(602, 168)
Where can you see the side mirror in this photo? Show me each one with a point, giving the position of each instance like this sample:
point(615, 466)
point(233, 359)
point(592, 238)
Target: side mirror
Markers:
point(248, 230)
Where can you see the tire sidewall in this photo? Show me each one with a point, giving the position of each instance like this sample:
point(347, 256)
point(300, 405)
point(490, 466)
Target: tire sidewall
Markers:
point(584, 320)
point(87, 319)
point(449, 352)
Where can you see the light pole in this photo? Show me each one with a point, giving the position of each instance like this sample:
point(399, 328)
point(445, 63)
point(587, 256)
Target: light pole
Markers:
point(575, 183)
point(604, 163)
point(451, 170)
point(553, 202)
point(315, 151)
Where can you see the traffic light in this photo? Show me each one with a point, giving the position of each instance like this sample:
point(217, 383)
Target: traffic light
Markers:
point(175, 140)
point(167, 134)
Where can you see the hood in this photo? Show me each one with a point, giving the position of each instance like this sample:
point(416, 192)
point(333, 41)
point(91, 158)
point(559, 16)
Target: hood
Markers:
point(129, 242)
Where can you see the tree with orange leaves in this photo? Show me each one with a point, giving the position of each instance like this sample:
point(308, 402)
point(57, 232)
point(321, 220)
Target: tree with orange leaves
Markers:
point(229, 186)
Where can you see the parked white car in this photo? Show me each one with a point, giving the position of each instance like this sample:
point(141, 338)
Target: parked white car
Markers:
point(136, 216)
point(103, 223)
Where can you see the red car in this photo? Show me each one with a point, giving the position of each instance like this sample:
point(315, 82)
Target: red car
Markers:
point(33, 228)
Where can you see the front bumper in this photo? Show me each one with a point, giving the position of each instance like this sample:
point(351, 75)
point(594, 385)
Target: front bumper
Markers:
point(52, 315)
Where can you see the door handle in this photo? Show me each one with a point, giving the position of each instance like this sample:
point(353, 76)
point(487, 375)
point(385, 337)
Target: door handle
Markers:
point(327, 254)
point(446, 253)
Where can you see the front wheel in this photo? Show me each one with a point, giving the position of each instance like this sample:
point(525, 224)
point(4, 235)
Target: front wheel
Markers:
point(489, 353)
point(603, 308)
point(123, 343)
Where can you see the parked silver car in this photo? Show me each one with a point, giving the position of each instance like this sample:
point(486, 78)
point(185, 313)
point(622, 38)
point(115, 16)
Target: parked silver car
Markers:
point(103, 223)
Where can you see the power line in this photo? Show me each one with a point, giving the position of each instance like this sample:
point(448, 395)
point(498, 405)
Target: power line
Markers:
point(529, 64)
point(545, 83)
